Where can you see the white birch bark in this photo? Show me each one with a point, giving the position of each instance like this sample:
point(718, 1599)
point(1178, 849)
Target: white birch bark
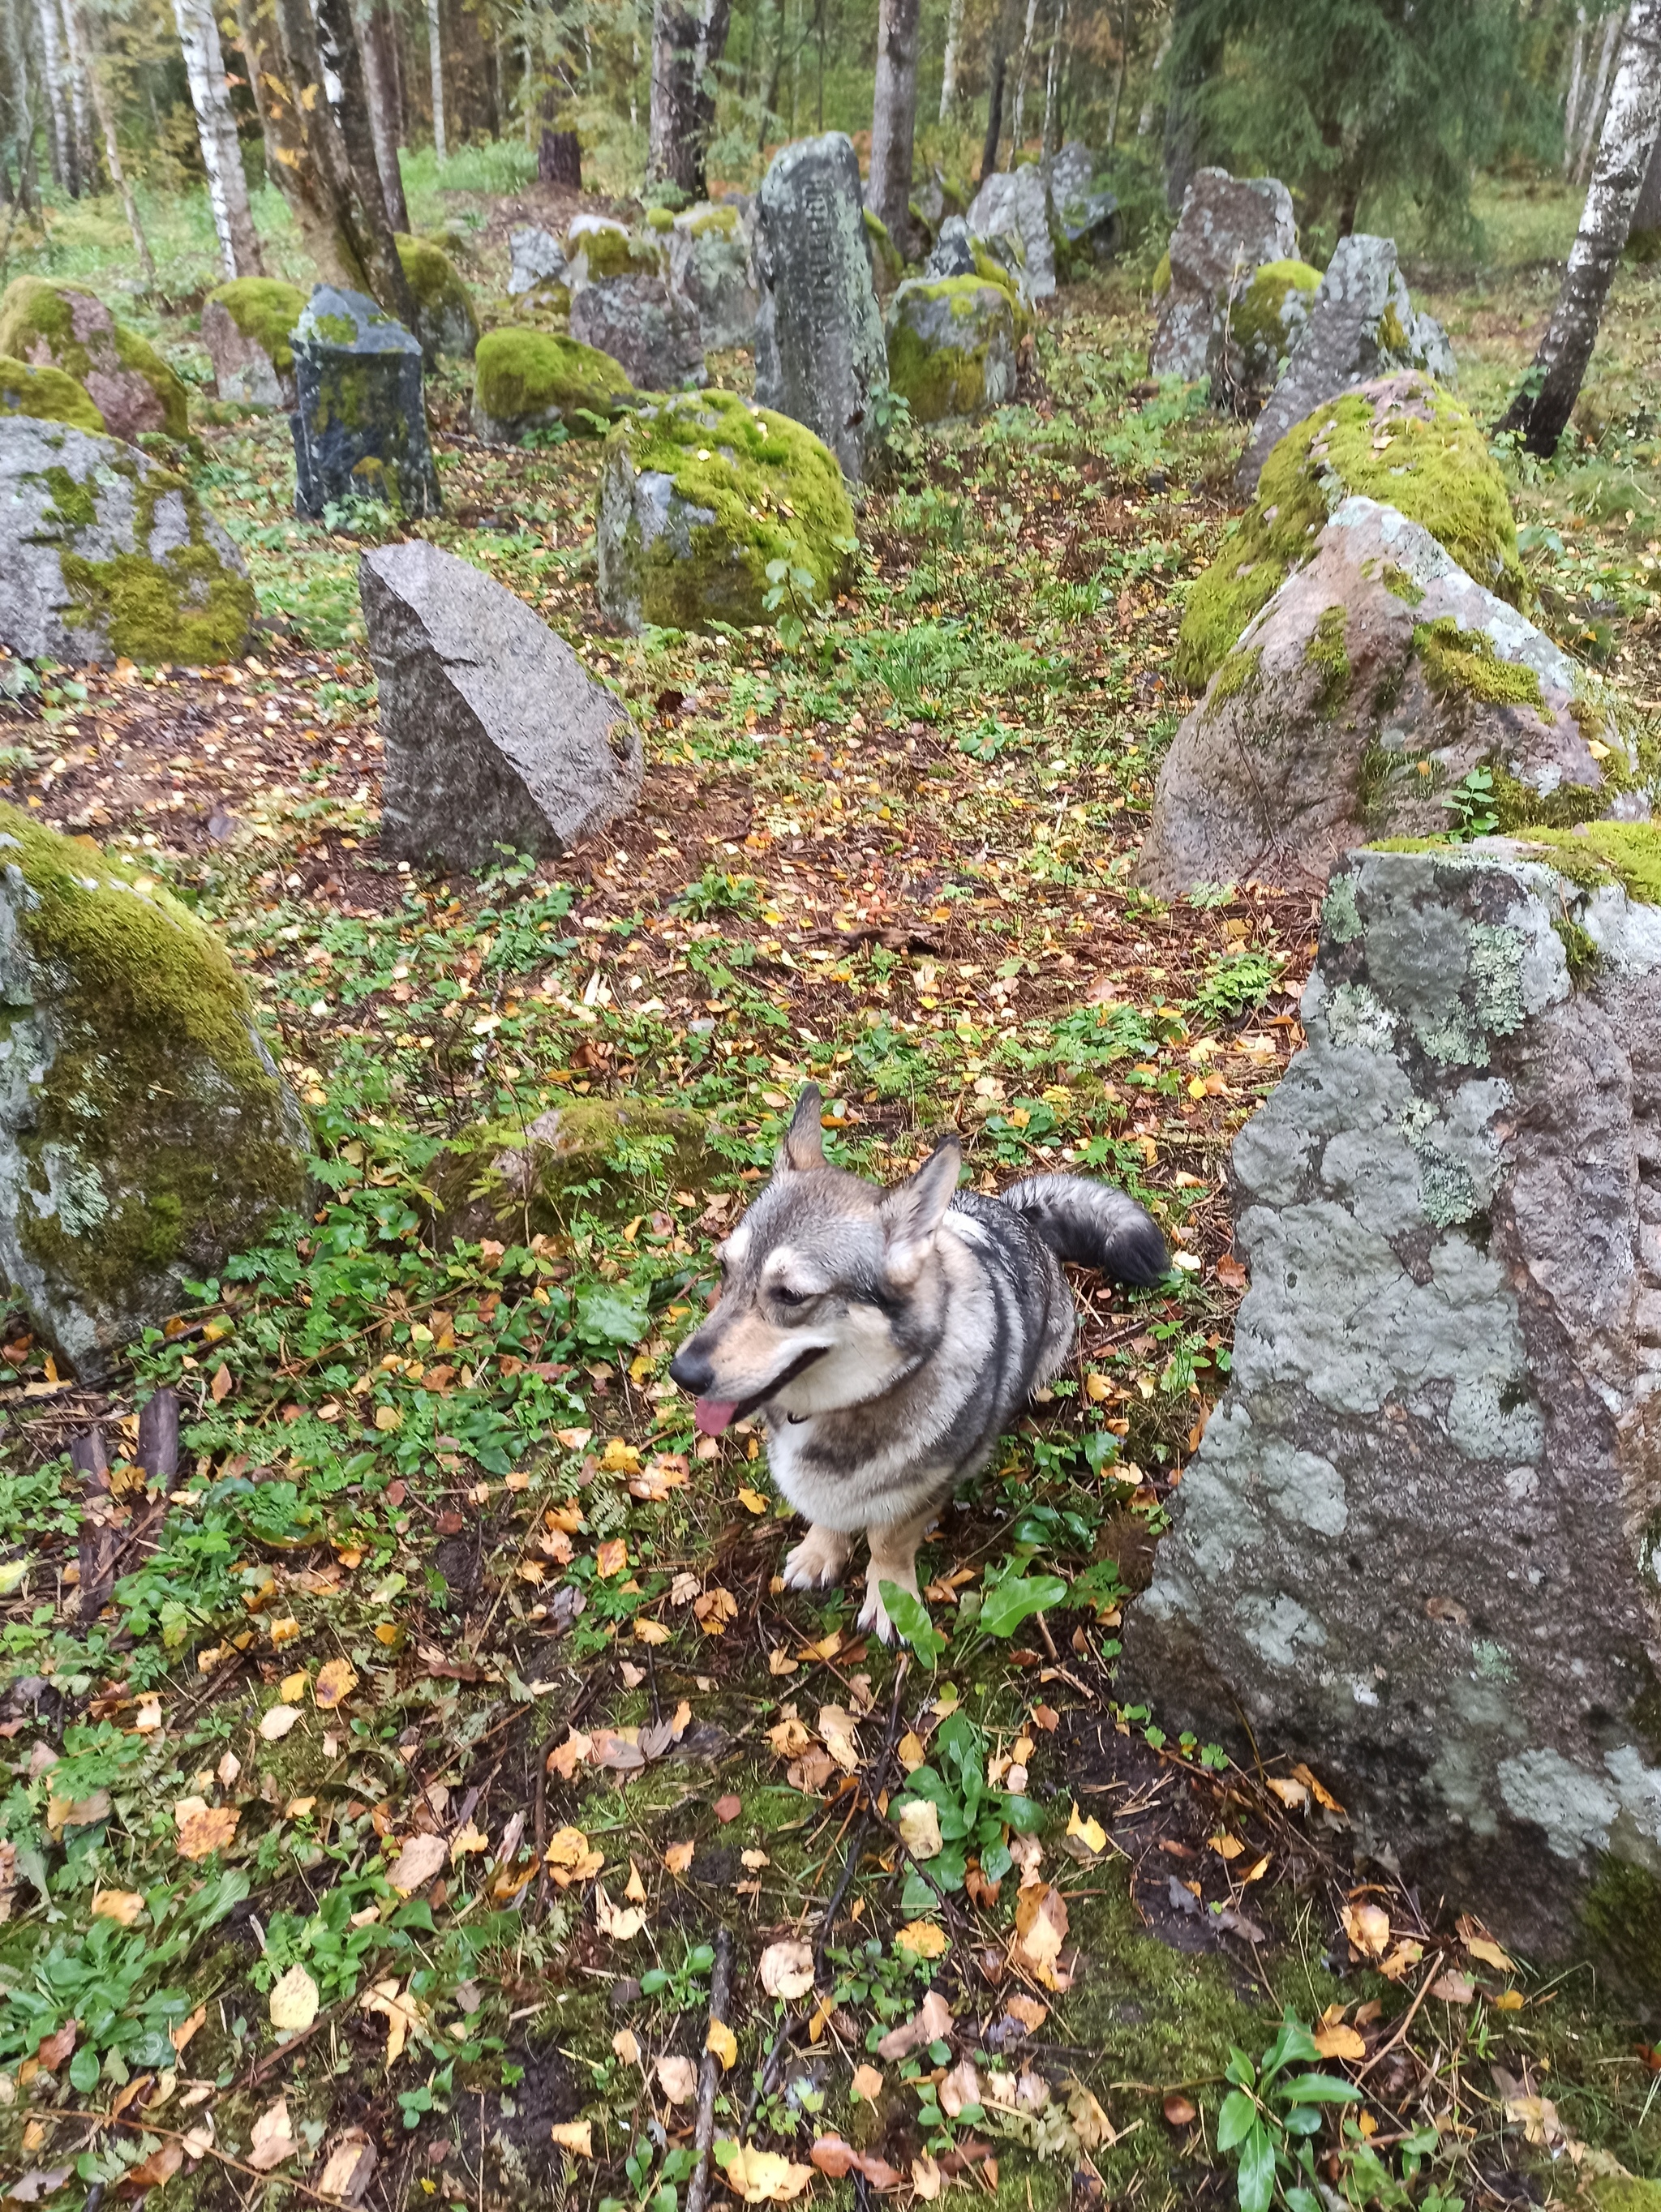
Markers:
point(1052, 84)
point(215, 126)
point(435, 60)
point(1015, 125)
point(1150, 105)
point(894, 119)
point(949, 70)
point(1614, 24)
point(75, 71)
point(58, 136)
point(1577, 79)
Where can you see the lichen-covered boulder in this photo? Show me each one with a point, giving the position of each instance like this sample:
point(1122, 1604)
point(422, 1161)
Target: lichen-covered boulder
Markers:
point(1360, 700)
point(247, 327)
point(599, 1155)
point(1400, 440)
point(820, 352)
point(526, 381)
point(145, 1134)
point(1017, 202)
point(60, 326)
point(1084, 208)
point(1362, 325)
point(1416, 1548)
point(445, 320)
point(1264, 323)
point(1228, 228)
point(698, 495)
point(950, 346)
point(709, 268)
point(651, 332)
point(957, 252)
point(105, 555)
point(47, 394)
point(535, 257)
point(360, 419)
point(597, 247)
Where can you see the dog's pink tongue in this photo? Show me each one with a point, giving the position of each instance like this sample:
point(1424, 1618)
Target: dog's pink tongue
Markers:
point(713, 1414)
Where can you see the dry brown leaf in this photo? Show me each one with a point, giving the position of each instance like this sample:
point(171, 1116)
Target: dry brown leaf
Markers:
point(958, 2087)
point(923, 1939)
point(626, 2045)
point(677, 1857)
point(1085, 1837)
point(574, 2136)
point(787, 1970)
point(677, 2077)
point(919, 1824)
point(1453, 1988)
point(1407, 1954)
point(927, 2178)
point(417, 1863)
point(1040, 1932)
point(204, 1828)
point(841, 1733)
point(470, 1838)
point(621, 1923)
point(1293, 1795)
point(293, 1999)
point(1340, 2042)
point(765, 2177)
point(867, 2083)
point(400, 2011)
point(181, 2032)
point(569, 1857)
point(932, 2021)
point(275, 1721)
point(348, 2168)
point(724, 2045)
point(1367, 1927)
point(121, 1905)
point(273, 2138)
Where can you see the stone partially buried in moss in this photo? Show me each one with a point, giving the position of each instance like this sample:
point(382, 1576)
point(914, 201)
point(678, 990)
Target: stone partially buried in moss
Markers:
point(145, 1134)
point(698, 495)
point(247, 326)
point(950, 346)
point(47, 394)
point(61, 327)
point(597, 247)
point(526, 381)
point(606, 1156)
point(1402, 440)
point(1264, 323)
point(445, 320)
point(105, 555)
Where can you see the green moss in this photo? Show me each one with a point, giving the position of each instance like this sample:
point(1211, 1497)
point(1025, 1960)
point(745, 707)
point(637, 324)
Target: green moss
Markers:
point(1399, 585)
point(1579, 948)
point(1392, 337)
point(1462, 663)
point(1433, 465)
point(47, 394)
point(445, 321)
point(613, 253)
point(660, 219)
point(1326, 651)
point(161, 1121)
point(525, 376)
point(1595, 853)
point(264, 309)
point(1255, 319)
point(35, 315)
point(1519, 807)
point(1620, 1922)
point(724, 220)
point(599, 1155)
point(1162, 276)
point(775, 492)
point(1238, 673)
point(73, 506)
point(940, 381)
point(886, 265)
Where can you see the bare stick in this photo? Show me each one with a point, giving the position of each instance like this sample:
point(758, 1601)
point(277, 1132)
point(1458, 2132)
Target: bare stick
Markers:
point(698, 2192)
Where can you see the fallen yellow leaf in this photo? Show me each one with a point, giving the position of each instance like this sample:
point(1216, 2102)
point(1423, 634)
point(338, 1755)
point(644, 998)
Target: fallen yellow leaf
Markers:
point(203, 1828)
point(721, 2041)
point(293, 1999)
point(121, 1905)
point(922, 1939)
point(335, 1682)
point(574, 2136)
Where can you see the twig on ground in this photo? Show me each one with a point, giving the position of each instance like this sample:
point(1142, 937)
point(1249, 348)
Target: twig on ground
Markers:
point(697, 2189)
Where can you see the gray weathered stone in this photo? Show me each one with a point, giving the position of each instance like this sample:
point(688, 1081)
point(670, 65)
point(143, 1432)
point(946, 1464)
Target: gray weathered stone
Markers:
point(1375, 679)
point(1017, 202)
point(1084, 211)
point(819, 351)
point(709, 267)
point(494, 733)
point(145, 1132)
point(1416, 1548)
point(952, 253)
point(1229, 227)
point(73, 510)
point(1362, 324)
point(951, 346)
point(242, 369)
point(359, 420)
point(535, 257)
point(651, 332)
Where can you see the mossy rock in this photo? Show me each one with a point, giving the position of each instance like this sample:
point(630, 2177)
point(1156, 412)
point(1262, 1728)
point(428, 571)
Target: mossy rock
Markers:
point(527, 379)
point(699, 494)
point(145, 1132)
point(104, 555)
point(1400, 440)
point(247, 326)
point(445, 321)
point(605, 1156)
point(887, 267)
point(951, 345)
point(1266, 322)
point(1624, 2193)
point(47, 394)
point(61, 327)
point(596, 247)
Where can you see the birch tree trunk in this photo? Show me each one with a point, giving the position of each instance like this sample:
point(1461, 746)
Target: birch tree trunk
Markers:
point(375, 36)
point(100, 100)
point(1577, 80)
point(1542, 406)
point(1149, 107)
point(435, 63)
point(80, 106)
point(688, 42)
point(20, 106)
point(949, 69)
point(58, 136)
point(1016, 120)
point(894, 119)
point(1646, 216)
point(342, 59)
point(1119, 76)
point(215, 126)
point(1592, 120)
point(1052, 85)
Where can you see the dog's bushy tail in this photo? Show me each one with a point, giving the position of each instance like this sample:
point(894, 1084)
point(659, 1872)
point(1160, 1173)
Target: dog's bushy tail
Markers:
point(1093, 1225)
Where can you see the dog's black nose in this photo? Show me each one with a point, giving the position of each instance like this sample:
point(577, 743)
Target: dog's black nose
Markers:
point(692, 1371)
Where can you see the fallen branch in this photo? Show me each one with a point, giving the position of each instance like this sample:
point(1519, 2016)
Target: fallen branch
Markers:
point(1384, 2048)
point(697, 2189)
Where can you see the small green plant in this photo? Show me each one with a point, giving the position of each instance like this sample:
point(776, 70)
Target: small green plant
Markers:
point(1470, 806)
point(790, 594)
point(1237, 984)
point(1268, 2121)
point(971, 1816)
point(716, 892)
point(684, 1986)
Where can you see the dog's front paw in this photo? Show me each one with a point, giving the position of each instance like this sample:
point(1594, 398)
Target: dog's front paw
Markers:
point(818, 1561)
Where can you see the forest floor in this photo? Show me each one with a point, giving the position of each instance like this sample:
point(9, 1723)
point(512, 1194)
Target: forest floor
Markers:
point(448, 1732)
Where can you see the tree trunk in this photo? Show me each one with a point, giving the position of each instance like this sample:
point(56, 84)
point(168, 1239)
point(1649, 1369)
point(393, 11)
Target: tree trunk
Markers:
point(379, 71)
point(100, 100)
point(59, 138)
point(949, 69)
point(80, 105)
point(1193, 54)
point(436, 63)
point(1018, 120)
point(20, 107)
point(1543, 406)
point(1144, 119)
point(687, 45)
point(1593, 119)
point(342, 59)
point(995, 91)
point(290, 160)
point(894, 119)
point(1052, 85)
point(216, 125)
point(1119, 76)
point(1577, 80)
point(1646, 216)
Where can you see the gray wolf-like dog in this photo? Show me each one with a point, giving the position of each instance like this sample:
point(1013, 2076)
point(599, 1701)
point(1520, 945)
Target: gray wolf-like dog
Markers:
point(887, 1337)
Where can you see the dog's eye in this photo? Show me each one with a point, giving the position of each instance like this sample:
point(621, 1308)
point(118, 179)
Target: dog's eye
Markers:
point(787, 1297)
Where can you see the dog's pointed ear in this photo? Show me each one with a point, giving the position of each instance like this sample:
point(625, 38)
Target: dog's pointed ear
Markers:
point(804, 1140)
point(914, 1210)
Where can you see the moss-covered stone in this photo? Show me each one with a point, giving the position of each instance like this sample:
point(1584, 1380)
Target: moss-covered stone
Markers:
point(145, 1134)
point(1266, 322)
point(526, 380)
point(699, 494)
point(264, 309)
point(596, 247)
point(247, 328)
point(47, 394)
point(1463, 663)
point(1328, 652)
point(445, 320)
point(603, 1156)
point(1594, 853)
point(110, 556)
point(61, 327)
point(951, 345)
point(1402, 440)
